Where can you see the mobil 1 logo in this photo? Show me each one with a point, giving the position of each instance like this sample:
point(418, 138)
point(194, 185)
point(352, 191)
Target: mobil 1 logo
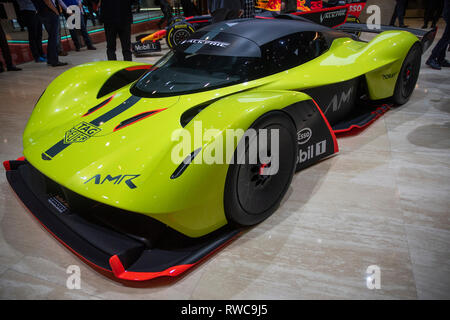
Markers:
point(312, 151)
point(309, 150)
point(312, 147)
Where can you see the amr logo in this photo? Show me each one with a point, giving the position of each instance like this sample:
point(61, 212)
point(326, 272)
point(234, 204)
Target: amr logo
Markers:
point(126, 178)
point(336, 103)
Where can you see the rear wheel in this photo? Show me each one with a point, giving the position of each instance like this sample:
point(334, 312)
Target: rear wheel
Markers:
point(409, 73)
point(251, 196)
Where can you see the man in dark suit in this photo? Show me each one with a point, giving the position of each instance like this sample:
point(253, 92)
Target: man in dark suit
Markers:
point(166, 9)
point(399, 12)
point(49, 16)
point(189, 8)
point(117, 19)
point(433, 11)
point(6, 53)
point(4, 47)
point(34, 28)
point(437, 59)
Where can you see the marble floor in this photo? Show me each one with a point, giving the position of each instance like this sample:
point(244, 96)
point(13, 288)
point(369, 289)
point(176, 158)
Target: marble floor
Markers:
point(384, 201)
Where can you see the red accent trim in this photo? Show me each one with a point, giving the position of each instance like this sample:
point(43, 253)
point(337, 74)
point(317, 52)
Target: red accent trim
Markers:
point(7, 165)
point(260, 17)
point(145, 66)
point(116, 265)
point(120, 272)
point(261, 168)
point(199, 21)
point(336, 146)
point(149, 115)
point(357, 128)
point(107, 101)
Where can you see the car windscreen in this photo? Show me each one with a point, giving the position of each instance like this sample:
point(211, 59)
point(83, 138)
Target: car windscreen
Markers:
point(204, 63)
point(179, 72)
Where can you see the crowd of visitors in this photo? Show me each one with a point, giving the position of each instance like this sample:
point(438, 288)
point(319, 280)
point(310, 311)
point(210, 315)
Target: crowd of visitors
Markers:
point(117, 18)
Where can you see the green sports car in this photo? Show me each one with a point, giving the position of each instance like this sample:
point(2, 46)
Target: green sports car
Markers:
point(115, 153)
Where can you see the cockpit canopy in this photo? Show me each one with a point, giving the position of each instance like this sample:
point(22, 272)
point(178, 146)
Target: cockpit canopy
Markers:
point(234, 52)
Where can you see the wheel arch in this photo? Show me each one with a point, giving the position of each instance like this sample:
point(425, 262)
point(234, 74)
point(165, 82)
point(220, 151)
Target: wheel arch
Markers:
point(391, 47)
point(205, 211)
point(238, 111)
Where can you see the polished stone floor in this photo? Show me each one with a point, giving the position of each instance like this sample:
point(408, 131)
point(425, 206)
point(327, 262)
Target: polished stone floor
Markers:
point(384, 201)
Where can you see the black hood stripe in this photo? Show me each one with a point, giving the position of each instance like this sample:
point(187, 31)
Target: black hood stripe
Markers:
point(131, 101)
point(60, 145)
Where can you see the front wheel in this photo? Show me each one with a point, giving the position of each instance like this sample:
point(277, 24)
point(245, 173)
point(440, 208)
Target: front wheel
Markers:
point(251, 194)
point(409, 73)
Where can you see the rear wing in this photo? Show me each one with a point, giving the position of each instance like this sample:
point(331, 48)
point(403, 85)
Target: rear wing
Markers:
point(426, 37)
point(329, 17)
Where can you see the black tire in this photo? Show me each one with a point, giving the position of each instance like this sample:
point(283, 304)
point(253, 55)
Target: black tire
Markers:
point(250, 197)
point(176, 19)
point(177, 32)
point(409, 73)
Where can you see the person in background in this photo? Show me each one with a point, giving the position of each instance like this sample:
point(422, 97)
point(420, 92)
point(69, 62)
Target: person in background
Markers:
point(437, 59)
point(433, 11)
point(221, 10)
point(399, 12)
point(249, 9)
point(61, 51)
point(136, 4)
point(49, 16)
point(20, 20)
point(6, 53)
point(92, 6)
point(117, 19)
point(166, 9)
point(34, 28)
point(189, 8)
point(74, 32)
